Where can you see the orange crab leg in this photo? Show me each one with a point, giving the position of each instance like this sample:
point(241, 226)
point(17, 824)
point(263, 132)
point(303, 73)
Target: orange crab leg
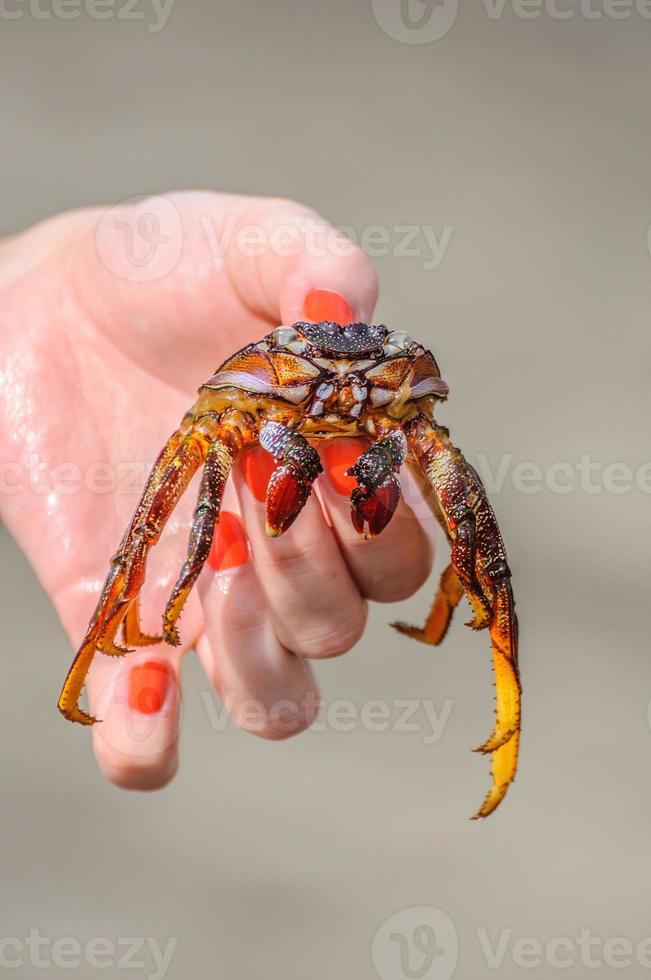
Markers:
point(177, 463)
point(131, 630)
point(478, 565)
point(504, 750)
point(450, 593)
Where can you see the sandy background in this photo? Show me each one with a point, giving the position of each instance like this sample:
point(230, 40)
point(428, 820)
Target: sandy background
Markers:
point(530, 139)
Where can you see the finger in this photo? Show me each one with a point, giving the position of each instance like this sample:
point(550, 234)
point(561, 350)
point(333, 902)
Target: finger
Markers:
point(316, 608)
point(267, 690)
point(137, 697)
point(391, 566)
point(138, 702)
point(216, 268)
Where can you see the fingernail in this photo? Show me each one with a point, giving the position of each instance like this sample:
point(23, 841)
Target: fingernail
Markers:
point(324, 304)
point(230, 546)
point(148, 686)
point(339, 456)
point(258, 466)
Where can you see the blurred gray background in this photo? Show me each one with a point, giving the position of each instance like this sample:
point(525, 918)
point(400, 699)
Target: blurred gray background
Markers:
point(528, 137)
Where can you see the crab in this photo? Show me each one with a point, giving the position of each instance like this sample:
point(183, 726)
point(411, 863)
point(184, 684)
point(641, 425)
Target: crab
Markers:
point(307, 382)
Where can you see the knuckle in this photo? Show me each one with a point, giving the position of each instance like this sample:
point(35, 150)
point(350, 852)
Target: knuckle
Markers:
point(326, 639)
point(394, 586)
point(395, 565)
point(283, 719)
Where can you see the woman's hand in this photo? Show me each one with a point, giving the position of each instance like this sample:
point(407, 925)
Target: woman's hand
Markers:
point(109, 322)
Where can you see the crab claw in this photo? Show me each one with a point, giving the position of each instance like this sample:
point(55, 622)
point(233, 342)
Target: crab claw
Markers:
point(374, 501)
point(287, 493)
point(371, 510)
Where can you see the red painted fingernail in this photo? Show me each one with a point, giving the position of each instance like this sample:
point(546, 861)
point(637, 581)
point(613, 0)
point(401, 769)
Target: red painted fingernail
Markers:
point(148, 686)
point(324, 304)
point(230, 546)
point(258, 466)
point(339, 456)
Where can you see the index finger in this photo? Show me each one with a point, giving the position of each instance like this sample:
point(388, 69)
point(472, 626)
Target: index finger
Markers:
point(179, 281)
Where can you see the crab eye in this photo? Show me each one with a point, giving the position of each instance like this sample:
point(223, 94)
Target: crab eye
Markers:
point(296, 347)
point(398, 339)
point(284, 335)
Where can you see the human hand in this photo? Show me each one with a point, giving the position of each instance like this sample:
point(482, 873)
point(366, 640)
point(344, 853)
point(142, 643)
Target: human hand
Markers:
point(104, 347)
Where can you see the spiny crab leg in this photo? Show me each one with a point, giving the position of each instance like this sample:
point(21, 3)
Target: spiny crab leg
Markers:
point(374, 501)
point(213, 481)
point(133, 635)
point(291, 483)
point(131, 630)
point(179, 460)
point(450, 592)
point(479, 567)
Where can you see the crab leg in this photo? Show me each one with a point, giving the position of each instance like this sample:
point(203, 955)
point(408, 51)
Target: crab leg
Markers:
point(374, 501)
point(447, 598)
point(133, 635)
point(478, 562)
point(291, 483)
point(175, 466)
point(213, 481)
point(131, 630)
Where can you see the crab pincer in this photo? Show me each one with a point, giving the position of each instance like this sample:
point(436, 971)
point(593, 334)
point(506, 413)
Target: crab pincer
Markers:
point(291, 483)
point(375, 500)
